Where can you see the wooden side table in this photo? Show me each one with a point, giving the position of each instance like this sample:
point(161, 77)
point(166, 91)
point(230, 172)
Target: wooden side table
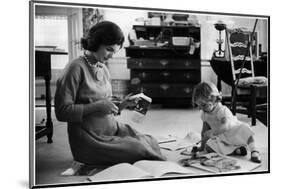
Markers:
point(43, 69)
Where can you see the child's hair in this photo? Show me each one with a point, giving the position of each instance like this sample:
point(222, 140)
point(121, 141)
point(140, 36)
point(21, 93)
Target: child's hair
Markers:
point(206, 90)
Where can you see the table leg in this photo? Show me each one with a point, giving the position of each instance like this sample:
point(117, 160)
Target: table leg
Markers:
point(219, 83)
point(49, 123)
point(233, 101)
point(253, 104)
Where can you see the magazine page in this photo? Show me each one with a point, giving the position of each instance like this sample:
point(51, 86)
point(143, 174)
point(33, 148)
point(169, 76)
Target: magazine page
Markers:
point(161, 168)
point(122, 171)
point(217, 163)
point(191, 139)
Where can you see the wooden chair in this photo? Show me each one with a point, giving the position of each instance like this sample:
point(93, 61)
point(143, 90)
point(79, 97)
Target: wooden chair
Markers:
point(248, 90)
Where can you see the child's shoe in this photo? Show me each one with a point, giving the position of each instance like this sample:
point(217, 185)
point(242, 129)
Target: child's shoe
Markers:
point(255, 156)
point(241, 151)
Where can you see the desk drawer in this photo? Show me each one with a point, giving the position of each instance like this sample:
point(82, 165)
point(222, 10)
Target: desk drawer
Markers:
point(181, 76)
point(164, 90)
point(164, 63)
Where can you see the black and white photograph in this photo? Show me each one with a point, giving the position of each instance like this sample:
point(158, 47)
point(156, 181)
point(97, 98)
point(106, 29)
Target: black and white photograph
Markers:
point(124, 94)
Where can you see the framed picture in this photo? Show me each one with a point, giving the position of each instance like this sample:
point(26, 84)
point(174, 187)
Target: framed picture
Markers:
point(92, 65)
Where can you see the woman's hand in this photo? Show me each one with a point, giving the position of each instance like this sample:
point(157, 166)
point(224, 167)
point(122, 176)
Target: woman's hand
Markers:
point(128, 102)
point(106, 106)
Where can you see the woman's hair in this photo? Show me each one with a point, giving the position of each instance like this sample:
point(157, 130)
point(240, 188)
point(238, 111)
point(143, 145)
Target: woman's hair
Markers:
point(103, 33)
point(207, 91)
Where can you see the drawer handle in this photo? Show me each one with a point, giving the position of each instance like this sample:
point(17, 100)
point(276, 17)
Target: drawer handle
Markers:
point(139, 63)
point(143, 75)
point(164, 62)
point(135, 81)
point(165, 74)
point(164, 87)
point(187, 64)
point(142, 90)
point(187, 90)
point(188, 76)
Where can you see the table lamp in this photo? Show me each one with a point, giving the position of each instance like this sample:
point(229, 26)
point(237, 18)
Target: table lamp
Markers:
point(220, 26)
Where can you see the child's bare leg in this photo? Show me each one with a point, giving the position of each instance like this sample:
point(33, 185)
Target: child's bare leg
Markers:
point(203, 143)
point(255, 155)
point(204, 146)
point(208, 149)
point(204, 138)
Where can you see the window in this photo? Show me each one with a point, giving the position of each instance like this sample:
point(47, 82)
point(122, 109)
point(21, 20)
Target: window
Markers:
point(52, 31)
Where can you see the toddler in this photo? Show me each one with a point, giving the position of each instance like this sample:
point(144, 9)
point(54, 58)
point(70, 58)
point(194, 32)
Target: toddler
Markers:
point(221, 131)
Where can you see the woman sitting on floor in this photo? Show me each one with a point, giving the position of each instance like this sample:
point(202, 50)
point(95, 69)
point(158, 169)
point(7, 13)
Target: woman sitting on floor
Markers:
point(82, 100)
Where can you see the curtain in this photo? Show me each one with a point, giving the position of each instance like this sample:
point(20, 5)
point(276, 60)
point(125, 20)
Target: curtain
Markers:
point(91, 17)
point(75, 32)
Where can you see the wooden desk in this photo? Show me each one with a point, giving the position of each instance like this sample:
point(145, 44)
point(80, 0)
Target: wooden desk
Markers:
point(43, 69)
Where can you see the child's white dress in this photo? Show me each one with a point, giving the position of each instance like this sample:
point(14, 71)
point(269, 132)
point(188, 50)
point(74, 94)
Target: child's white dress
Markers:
point(237, 134)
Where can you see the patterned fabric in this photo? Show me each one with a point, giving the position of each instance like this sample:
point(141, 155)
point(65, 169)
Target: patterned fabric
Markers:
point(246, 82)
